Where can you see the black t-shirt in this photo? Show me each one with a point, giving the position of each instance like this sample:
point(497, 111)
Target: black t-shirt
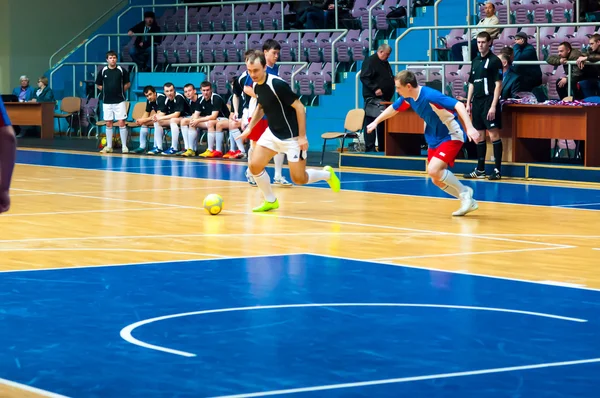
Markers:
point(156, 105)
point(113, 82)
point(194, 105)
point(215, 103)
point(238, 90)
point(485, 72)
point(178, 104)
point(276, 98)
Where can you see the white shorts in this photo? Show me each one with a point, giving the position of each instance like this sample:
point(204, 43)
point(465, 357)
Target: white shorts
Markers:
point(288, 146)
point(112, 112)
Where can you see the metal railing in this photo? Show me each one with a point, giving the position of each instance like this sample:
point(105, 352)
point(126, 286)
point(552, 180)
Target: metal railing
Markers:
point(247, 33)
point(211, 64)
point(215, 3)
point(443, 64)
point(75, 64)
point(471, 27)
point(85, 30)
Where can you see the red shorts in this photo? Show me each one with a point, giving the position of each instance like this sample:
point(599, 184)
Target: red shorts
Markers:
point(446, 151)
point(258, 130)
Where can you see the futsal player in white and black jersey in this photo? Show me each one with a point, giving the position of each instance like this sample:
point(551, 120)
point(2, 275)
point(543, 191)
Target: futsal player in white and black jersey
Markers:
point(213, 109)
point(154, 101)
point(190, 134)
point(174, 106)
point(113, 81)
point(286, 133)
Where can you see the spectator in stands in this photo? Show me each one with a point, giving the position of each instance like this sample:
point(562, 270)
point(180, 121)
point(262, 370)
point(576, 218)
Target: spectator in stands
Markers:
point(531, 75)
point(154, 102)
point(567, 53)
point(378, 86)
point(24, 92)
point(511, 81)
point(313, 16)
point(44, 93)
point(590, 85)
point(489, 20)
point(140, 53)
point(172, 108)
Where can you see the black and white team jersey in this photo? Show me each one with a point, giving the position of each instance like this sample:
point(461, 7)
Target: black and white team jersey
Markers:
point(238, 90)
point(276, 97)
point(194, 105)
point(215, 103)
point(177, 104)
point(112, 82)
point(157, 104)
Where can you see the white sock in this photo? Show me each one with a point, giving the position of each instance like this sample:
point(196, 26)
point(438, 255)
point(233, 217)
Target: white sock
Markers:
point(123, 133)
point(175, 136)
point(263, 181)
point(193, 138)
point(232, 143)
point(453, 186)
point(211, 141)
point(317, 175)
point(219, 137)
point(109, 137)
point(143, 137)
point(158, 135)
point(240, 145)
point(250, 152)
point(278, 160)
point(185, 131)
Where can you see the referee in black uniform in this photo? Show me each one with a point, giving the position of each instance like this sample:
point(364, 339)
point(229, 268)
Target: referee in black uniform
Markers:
point(485, 86)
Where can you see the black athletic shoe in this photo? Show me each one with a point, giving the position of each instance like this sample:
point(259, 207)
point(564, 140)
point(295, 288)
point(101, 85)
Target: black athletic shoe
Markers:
point(495, 175)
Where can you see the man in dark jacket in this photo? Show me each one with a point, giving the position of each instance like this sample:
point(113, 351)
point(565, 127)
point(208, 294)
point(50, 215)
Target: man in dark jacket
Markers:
point(378, 85)
point(511, 81)
point(140, 53)
point(590, 84)
point(531, 75)
point(567, 53)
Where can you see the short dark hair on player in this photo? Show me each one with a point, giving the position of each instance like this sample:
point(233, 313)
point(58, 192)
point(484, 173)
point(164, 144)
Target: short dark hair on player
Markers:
point(169, 84)
point(256, 54)
point(205, 84)
point(189, 85)
point(271, 44)
point(111, 53)
point(247, 53)
point(484, 35)
point(407, 77)
point(149, 89)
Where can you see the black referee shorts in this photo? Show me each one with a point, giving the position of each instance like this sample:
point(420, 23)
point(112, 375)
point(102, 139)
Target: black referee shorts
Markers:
point(479, 112)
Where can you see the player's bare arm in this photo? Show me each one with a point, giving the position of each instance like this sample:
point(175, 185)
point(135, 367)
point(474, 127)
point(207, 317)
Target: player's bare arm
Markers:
point(386, 114)
point(472, 133)
point(301, 116)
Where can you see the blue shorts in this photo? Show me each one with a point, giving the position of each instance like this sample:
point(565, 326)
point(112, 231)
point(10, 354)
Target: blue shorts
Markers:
point(4, 120)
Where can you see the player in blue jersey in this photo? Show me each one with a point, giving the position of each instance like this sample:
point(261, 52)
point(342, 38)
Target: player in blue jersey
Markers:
point(271, 50)
point(443, 133)
point(8, 144)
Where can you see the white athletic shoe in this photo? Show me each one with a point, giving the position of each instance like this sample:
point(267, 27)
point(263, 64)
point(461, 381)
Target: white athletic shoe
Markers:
point(124, 149)
point(467, 203)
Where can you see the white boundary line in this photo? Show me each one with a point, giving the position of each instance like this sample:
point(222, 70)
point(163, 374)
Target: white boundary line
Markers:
point(126, 332)
point(59, 213)
point(27, 388)
point(458, 272)
point(95, 249)
point(345, 190)
point(473, 253)
point(414, 378)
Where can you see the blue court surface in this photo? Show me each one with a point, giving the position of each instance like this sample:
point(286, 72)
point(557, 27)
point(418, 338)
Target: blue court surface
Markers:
point(503, 192)
point(302, 324)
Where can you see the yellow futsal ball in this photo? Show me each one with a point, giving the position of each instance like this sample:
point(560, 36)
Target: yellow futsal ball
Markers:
point(213, 204)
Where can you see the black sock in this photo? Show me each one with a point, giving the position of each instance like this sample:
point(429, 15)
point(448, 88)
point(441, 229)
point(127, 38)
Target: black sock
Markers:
point(481, 149)
point(497, 145)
